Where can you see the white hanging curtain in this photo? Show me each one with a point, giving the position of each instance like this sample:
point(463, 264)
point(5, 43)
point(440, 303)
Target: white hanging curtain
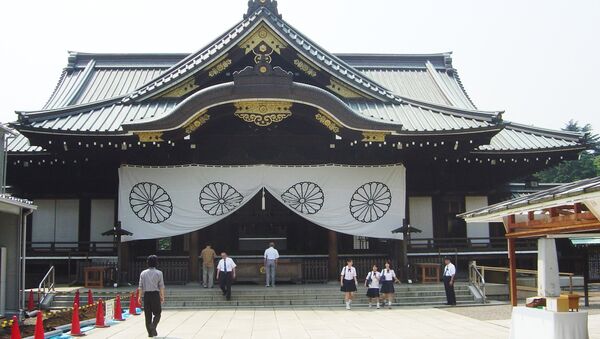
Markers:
point(157, 202)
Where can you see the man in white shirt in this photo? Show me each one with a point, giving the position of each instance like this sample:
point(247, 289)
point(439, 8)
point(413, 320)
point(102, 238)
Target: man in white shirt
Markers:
point(226, 274)
point(271, 256)
point(449, 273)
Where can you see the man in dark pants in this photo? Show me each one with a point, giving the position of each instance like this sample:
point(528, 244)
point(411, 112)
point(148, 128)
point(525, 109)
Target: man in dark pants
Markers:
point(449, 273)
point(152, 287)
point(226, 274)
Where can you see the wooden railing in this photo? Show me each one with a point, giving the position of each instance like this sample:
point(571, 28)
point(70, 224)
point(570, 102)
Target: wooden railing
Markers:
point(175, 269)
point(64, 248)
point(315, 269)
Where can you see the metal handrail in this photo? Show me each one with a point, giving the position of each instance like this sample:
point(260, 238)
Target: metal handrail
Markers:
point(477, 279)
point(47, 284)
point(522, 271)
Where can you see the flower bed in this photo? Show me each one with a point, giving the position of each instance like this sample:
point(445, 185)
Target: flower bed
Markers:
point(52, 320)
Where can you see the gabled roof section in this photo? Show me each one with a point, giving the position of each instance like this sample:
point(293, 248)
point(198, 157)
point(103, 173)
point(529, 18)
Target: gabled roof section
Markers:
point(91, 78)
point(263, 15)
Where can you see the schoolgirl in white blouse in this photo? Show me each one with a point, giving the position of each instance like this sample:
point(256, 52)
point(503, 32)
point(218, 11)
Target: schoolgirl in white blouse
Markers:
point(372, 284)
point(388, 277)
point(348, 282)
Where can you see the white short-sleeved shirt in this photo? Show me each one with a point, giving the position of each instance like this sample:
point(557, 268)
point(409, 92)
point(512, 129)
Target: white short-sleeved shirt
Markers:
point(375, 277)
point(387, 275)
point(449, 270)
point(226, 263)
point(271, 253)
point(349, 273)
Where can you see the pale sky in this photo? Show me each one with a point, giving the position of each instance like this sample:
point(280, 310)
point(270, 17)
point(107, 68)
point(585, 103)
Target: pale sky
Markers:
point(536, 59)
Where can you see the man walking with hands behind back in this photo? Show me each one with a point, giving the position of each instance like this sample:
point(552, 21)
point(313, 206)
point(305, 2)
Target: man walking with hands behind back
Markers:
point(152, 286)
point(271, 257)
point(226, 274)
point(449, 273)
point(208, 266)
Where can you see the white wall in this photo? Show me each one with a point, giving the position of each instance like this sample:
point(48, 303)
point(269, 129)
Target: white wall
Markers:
point(420, 212)
point(56, 221)
point(102, 219)
point(44, 220)
point(477, 229)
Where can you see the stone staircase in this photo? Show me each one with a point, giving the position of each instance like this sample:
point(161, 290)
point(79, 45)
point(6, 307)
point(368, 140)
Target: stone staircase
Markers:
point(327, 295)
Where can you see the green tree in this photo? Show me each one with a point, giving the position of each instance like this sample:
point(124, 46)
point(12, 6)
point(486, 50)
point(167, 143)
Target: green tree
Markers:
point(588, 164)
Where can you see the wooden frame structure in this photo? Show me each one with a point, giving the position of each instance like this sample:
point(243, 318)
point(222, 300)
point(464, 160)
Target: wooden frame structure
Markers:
point(565, 209)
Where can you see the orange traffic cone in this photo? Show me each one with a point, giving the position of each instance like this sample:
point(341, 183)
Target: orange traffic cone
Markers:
point(39, 327)
point(76, 299)
point(15, 332)
point(75, 325)
point(30, 306)
point(100, 322)
point(132, 305)
point(118, 310)
point(138, 303)
point(90, 300)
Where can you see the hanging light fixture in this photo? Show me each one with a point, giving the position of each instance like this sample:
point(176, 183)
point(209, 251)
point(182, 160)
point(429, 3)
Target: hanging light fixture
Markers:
point(263, 201)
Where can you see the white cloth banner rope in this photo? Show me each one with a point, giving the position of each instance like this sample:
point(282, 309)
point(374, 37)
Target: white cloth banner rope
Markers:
point(157, 202)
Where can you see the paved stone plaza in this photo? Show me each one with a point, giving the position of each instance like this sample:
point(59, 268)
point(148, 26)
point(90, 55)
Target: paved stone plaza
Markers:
point(325, 323)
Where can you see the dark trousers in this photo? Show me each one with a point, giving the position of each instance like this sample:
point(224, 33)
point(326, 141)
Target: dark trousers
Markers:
point(225, 279)
point(450, 296)
point(152, 308)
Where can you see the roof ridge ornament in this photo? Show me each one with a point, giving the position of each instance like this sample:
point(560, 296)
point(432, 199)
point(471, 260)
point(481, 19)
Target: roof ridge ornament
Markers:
point(254, 5)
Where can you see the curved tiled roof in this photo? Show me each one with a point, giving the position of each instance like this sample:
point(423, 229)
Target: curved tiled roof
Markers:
point(97, 93)
point(418, 119)
point(105, 119)
point(520, 138)
point(20, 144)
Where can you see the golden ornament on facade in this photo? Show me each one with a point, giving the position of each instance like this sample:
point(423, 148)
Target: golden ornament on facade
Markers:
point(343, 89)
point(150, 136)
point(263, 113)
point(181, 90)
point(263, 34)
point(219, 66)
point(199, 119)
point(326, 120)
point(374, 136)
point(304, 67)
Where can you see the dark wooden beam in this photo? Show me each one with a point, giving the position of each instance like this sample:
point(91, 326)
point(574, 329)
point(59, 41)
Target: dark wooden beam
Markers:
point(594, 226)
point(559, 220)
point(333, 255)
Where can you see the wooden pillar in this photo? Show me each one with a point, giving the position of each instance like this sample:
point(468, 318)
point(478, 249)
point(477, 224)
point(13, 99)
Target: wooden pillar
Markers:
point(333, 255)
point(512, 263)
point(125, 275)
point(85, 220)
point(194, 251)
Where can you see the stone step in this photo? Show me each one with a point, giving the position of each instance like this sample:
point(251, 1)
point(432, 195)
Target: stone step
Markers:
point(288, 302)
point(280, 296)
point(264, 290)
point(211, 296)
